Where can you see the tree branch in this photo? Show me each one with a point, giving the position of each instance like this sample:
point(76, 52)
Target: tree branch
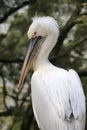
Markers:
point(4, 91)
point(14, 9)
point(68, 26)
point(68, 49)
point(24, 99)
point(72, 47)
point(6, 113)
point(7, 61)
point(27, 119)
point(82, 73)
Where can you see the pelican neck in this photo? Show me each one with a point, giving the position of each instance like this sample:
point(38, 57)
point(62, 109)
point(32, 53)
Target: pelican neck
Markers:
point(41, 64)
point(44, 51)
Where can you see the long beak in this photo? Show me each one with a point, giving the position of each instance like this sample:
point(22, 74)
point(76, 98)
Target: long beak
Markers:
point(30, 57)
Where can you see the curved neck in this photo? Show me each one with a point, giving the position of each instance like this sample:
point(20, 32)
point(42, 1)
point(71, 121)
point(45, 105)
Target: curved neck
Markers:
point(47, 46)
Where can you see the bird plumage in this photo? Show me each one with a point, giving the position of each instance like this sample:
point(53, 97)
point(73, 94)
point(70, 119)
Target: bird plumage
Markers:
point(57, 95)
point(58, 99)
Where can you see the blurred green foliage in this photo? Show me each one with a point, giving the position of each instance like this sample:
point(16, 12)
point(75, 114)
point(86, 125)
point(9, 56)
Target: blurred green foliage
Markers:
point(13, 45)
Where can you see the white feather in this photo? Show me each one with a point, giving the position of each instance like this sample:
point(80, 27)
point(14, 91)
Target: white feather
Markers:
point(56, 94)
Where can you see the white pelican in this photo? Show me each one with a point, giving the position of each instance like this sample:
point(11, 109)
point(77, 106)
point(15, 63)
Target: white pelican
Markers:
point(57, 96)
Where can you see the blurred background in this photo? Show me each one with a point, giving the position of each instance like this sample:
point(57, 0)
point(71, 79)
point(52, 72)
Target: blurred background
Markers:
point(70, 52)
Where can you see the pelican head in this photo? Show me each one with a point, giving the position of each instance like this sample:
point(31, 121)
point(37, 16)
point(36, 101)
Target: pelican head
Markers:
point(43, 34)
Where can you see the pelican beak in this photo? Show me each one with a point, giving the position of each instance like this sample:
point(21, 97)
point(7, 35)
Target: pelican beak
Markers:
point(30, 57)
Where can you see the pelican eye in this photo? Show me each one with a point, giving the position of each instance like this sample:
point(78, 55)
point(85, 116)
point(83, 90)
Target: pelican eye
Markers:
point(34, 35)
point(39, 37)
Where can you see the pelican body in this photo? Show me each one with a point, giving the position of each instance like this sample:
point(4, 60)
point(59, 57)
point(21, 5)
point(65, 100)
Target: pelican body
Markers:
point(57, 96)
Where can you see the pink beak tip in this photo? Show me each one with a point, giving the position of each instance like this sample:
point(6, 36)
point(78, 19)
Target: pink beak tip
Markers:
point(19, 87)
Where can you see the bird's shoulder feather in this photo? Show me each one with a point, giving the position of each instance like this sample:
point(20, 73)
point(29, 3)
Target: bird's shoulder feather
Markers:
point(60, 90)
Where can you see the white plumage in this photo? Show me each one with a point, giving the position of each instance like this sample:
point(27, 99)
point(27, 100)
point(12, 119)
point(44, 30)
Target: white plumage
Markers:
point(57, 96)
point(58, 99)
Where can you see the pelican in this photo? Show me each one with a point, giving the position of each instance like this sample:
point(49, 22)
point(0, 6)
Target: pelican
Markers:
point(57, 95)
